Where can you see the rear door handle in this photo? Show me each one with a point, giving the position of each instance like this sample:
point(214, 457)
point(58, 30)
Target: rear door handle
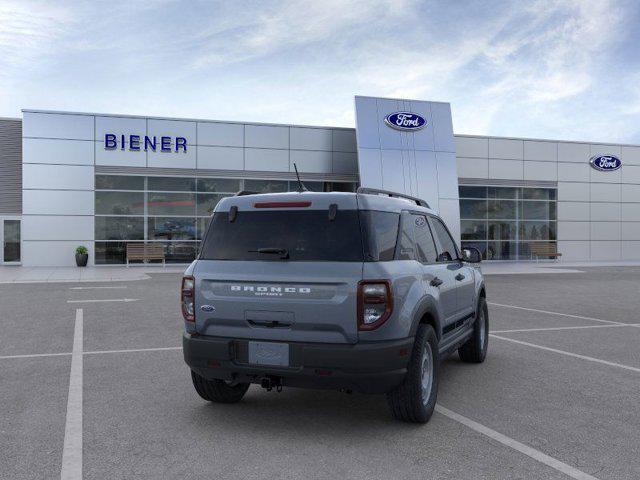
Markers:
point(460, 277)
point(436, 282)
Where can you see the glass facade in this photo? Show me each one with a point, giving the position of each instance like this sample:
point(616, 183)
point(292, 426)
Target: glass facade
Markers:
point(503, 222)
point(171, 211)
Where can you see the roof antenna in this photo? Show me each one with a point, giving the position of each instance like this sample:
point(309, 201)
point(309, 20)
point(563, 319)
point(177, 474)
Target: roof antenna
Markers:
point(301, 187)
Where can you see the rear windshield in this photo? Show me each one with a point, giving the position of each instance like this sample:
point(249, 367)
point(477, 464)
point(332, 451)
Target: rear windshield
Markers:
point(297, 235)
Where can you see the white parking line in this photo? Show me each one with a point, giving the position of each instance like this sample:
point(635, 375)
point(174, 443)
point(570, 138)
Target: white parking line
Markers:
point(159, 349)
point(556, 313)
point(97, 288)
point(126, 300)
point(515, 445)
point(35, 355)
point(566, 328)
point(562, 352)
point(72, 450)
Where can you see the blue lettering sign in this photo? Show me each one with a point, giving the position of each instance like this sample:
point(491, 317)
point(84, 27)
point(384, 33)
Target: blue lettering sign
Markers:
point(149, 143)
point(110, 142)
point(165, 144)
point(405, 121)
point(605, 163)
point(134, 142)
point(181, 142)
point(138, 143)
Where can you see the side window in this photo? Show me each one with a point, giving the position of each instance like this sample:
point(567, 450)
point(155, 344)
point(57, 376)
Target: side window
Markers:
point(447, 251)
point(424, 241)
point(406, 250)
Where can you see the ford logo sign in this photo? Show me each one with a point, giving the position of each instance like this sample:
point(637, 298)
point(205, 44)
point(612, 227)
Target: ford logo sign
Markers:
point(207, 308)
point(405, 121)
point(605, 163)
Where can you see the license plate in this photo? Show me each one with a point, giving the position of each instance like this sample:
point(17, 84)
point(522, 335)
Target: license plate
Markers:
point(268, 353)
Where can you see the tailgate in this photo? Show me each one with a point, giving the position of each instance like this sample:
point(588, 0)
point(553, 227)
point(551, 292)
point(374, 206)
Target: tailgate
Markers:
point(277, 301)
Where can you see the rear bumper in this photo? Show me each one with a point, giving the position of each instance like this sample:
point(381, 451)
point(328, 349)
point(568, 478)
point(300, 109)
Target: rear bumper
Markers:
point(364, 367)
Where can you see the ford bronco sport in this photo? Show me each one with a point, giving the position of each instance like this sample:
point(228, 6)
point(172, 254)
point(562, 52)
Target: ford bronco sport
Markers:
point(361, 291)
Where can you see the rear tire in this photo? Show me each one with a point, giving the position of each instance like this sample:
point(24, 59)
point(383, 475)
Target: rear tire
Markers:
point(415, 399)
point(475, 349)
point(218, 390)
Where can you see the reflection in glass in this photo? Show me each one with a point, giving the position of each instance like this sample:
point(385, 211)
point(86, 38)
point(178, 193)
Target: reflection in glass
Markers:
point(167, 228)
point(11, 241)
point(473, 209)
point(119, 182)
point(171, 204)
point(225, 185)
point(207, 203)
point(171, 184)
point(502, 230)
point(473, 230)
point(266, 186)
point(119, 228)
point(502, 209)
point(502, 192)
point(119, 203)
point(472, 192)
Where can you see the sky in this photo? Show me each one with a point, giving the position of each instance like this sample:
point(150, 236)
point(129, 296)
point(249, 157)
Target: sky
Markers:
point(540, 69)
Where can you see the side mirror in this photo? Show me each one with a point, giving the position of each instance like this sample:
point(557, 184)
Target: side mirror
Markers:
point(471, 255)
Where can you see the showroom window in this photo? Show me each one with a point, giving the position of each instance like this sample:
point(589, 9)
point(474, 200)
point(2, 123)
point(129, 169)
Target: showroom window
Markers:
point(503, 222)
point(171, 211)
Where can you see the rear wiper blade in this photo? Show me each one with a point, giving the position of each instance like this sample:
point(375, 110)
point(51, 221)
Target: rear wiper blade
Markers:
point(284, 254)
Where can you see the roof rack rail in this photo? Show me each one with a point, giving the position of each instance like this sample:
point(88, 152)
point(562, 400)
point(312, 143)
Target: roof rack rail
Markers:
point(376, 191)
point(242, 193)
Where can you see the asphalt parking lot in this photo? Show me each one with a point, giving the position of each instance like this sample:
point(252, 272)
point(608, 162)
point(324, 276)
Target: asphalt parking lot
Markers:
point(95, 384)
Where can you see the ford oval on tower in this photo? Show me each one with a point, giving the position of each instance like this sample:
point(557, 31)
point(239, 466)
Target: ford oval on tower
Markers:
point(405, 121)
point(605, 163)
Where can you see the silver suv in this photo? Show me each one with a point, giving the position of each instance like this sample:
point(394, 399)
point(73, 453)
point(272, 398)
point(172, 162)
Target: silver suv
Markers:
point(361, 291)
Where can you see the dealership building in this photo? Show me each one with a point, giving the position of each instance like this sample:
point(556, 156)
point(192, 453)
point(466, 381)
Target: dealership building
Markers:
point(106, 181)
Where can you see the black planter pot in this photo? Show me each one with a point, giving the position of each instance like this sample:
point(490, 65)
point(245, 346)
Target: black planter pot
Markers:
point(81, 259)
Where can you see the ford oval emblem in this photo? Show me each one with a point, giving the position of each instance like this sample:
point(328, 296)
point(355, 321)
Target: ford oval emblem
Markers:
point(207, 308)
point(605, 163)
point(405, 121)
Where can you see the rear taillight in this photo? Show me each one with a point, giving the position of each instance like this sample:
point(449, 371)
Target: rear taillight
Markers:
point(375, 303)
point(187, 298)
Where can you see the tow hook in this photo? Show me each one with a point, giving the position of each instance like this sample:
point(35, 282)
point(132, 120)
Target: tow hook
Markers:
point(269, 383)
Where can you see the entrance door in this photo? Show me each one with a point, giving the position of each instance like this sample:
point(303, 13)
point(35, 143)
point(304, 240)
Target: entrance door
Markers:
point(10, 240)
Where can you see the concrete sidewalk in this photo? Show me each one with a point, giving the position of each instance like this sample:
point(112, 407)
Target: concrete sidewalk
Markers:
point(19, 274)
point(526, 267)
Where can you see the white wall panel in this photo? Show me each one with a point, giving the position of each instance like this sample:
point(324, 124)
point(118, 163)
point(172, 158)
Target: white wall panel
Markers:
point(573, 231)
point(606, 212)
point(345, 162)
point(573, 251)
point(547, 171)
point(596, 176)
point(55, 227)
point(425, 139)
point(602, 192)
point(449, 210)
point(576, 211)
point(220, 134)
point(52, 253)
point(574, 172)
point(506, 149)
point(393, 171)
point(367, 122)
point(605, 150)
point(442, 127)
point(311, 138)
point(630, 174)
point(265, 136)
point(631, 231)
point(506, 169)
point(547, 151)
point(371, 166)
point(310, 161)
point(573, 192)
point(70, 152)
point(447, 175)
point(120, 126)
point(630, 155)
point(630, 250)
point(631, 193)
point(574, 152)
point(118, 157)
point(344, 141)
point(605, 251)
point(172, 128)
point(473, 167)
point(66, 177)
point(390, 138)
point(605, 231)
point(630, 212)
point(173, 159)
point(220, 158)
point(426, 172)
point(55, 125)
point(472, 147)
point(57, 202)
point(267, 160)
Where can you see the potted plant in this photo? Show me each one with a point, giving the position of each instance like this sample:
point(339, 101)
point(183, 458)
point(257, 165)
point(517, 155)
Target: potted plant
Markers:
point(82, 256)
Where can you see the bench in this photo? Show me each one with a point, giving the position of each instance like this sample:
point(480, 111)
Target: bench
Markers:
point(145, 252)
point(544, 250)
